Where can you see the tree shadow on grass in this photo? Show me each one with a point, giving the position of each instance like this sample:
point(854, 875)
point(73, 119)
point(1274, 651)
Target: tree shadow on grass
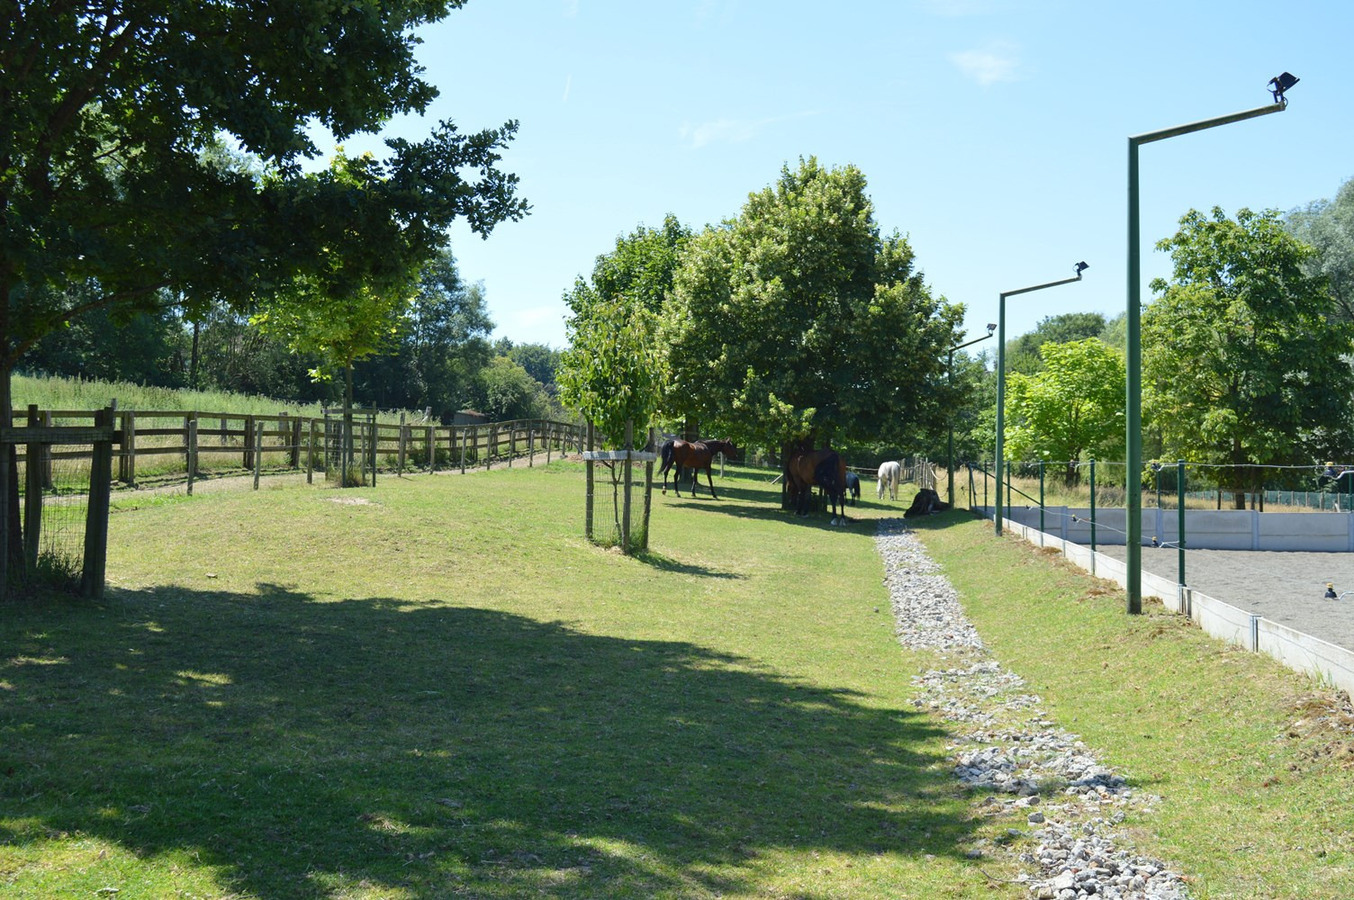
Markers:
point(305, 749)
point(668, 564)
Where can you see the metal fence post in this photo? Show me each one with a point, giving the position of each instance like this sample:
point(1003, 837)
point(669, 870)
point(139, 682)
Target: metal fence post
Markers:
point(1180, 523)
point(1092, 504)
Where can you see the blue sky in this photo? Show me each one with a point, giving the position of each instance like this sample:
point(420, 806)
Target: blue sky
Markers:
point(993, 133)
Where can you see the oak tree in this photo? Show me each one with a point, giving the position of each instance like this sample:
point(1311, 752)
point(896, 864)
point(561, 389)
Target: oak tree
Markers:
point(1245, 361)
point(798, 322)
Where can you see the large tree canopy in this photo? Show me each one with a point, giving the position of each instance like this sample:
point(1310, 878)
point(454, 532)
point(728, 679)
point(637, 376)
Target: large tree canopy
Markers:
point(1243, 360)
point(797, 321)
point(1328, 225)
point(106, 110)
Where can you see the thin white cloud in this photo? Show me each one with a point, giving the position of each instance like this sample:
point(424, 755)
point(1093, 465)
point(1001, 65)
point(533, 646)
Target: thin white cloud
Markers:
point(998, 61)
point(732, 131)
point(570, 9)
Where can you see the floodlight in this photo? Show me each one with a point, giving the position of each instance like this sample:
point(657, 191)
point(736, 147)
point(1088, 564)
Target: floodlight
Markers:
point(1280, 83)
point(1081, 267)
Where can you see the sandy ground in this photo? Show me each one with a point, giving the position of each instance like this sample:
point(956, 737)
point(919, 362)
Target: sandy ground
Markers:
point(1283, 587)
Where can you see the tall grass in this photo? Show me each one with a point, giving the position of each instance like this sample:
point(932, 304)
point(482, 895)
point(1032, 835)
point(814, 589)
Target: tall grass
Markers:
point(56, 392)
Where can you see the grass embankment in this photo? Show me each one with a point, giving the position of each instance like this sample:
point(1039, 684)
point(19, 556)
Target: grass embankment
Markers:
point(80, 394)
point(1254, 766)
point(436, 688)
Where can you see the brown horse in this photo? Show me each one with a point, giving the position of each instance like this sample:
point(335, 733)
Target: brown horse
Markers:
point(693, 455)
point(824, 468)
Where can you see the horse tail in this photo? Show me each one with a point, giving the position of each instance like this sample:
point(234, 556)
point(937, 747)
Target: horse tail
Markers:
point(665, 453)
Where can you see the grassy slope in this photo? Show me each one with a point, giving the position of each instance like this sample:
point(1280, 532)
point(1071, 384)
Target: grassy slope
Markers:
point(1256, 799)
point(437, 688)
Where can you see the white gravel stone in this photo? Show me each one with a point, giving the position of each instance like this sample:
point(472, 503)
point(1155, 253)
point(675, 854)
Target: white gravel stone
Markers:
point(1003, 742)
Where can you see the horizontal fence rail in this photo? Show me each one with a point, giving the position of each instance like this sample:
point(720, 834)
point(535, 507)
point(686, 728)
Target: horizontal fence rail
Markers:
point(173, 445)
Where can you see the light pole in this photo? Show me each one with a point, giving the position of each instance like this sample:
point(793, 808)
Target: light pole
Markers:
point(1001, 374)
point(949, 461)
point(1133, 367)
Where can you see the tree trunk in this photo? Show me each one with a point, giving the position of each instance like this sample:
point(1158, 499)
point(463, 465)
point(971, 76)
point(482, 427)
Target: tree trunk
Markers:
point(193, 355)
point(345, 470)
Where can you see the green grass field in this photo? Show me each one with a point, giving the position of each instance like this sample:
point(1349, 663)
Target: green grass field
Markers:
point(437, 688)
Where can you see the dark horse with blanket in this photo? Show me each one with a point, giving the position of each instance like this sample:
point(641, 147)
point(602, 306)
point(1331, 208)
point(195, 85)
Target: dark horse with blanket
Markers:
point(824, 468)
point(693, 455)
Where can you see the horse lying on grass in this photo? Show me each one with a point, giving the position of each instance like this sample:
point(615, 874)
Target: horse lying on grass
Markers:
point(926, 502)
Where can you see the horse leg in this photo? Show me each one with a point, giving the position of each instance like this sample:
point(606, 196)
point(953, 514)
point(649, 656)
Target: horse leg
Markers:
point(711, 483)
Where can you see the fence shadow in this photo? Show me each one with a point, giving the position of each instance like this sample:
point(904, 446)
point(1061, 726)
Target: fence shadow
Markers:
point(300, 747)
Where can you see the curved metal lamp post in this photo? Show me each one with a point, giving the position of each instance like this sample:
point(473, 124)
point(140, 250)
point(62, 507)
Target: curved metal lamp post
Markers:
point(1001, 377)
point(1133, 369)
point(949, 459)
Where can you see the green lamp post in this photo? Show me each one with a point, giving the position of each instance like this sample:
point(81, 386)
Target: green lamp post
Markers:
point(1133, 389)
point(949, 458)
point(1000, 461)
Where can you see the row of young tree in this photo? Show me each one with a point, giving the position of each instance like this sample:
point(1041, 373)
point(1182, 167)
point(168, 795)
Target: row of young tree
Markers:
point(1247, 354)
point(796, 322)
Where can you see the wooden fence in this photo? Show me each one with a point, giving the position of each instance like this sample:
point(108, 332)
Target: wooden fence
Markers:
point(97, 447)
point(190, 444)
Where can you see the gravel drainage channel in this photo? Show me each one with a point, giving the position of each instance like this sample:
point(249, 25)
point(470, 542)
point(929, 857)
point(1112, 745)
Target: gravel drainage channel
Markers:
point(1005, 749)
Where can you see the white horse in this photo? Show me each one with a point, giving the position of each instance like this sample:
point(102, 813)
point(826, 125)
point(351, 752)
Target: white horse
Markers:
point(890, 473)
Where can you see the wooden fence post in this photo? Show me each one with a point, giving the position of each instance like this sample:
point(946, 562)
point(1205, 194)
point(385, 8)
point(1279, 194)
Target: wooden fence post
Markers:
point(192, 453)
point(248, 460)
point(629, 467)
point(310, 454)
point(32, 527)
point(453, 429)
point(648, 491)
point(531, 444)
point(431, 445)
point(588, 467)
point(127, 474)
point(96, 513)
point(187, 448)
point(399, 453)
point(258, 455)
point(296, 443)
point(47, 454)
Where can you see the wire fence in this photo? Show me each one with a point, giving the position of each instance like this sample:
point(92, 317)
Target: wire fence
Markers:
point(1099, 483)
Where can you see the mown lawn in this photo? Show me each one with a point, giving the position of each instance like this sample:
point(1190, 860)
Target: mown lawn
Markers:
point(437, 688)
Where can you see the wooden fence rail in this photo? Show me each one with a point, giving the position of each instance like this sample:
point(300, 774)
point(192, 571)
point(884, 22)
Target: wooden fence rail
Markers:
point(169, 443)
point(192, 443)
